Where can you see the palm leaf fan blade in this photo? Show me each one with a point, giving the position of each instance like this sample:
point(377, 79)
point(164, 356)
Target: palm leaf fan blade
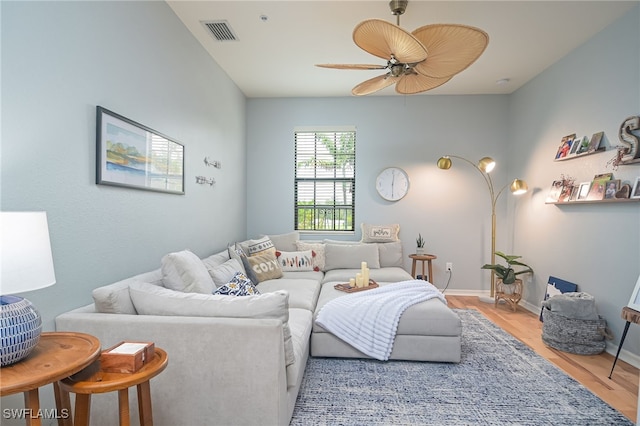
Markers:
point(452, 48)
point(385, 40)
point(409, 84)
point(353, 66)
point(373, 85)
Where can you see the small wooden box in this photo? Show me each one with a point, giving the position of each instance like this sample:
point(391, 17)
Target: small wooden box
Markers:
point(126, 357)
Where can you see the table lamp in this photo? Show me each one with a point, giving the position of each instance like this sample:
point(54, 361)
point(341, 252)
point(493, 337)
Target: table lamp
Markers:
point(26, 264)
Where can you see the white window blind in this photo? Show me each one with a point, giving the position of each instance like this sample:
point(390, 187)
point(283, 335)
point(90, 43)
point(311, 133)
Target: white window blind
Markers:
point(324, 180)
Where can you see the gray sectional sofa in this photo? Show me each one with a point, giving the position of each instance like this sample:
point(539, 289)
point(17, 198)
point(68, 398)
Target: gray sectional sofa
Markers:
point(241, 360)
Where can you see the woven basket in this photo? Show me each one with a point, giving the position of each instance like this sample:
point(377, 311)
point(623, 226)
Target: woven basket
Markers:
point(582, 337)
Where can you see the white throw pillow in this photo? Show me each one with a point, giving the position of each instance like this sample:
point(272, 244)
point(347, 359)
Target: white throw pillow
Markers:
point(391, 254)
point(184, 271)
point(318, 249)
point(285, 242)
point(154, 300)
point(341, 256)
point(222, 274)
point(380, 233)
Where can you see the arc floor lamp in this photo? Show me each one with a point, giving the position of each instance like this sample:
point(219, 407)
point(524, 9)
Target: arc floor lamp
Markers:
point(484, 167)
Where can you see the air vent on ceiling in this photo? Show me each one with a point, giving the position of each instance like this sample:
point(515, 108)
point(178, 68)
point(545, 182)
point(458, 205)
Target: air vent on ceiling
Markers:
point(220, 30)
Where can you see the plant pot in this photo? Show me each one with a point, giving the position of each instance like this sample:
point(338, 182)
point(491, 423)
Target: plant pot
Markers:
point(420, 250)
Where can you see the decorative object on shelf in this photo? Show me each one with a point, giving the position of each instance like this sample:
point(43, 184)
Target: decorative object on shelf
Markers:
point(215, 163)
point(611, 189)
point(629, 136)
point(624, 191)
point(635, 193)
point(565, 146)
point(134, 156)
point(419, 244)
point(582, 146)
point(202, 180)
point(392, 183)
point(583, 191)
point(484, 167)
point(562, 190)
point(26, 265)
point(594, 143)
point(506, 273)
point(598, 186)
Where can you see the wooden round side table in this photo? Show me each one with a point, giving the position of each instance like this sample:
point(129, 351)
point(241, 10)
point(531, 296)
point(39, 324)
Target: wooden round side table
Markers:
point(423, 258)
point(101, 382)
point(58, 355)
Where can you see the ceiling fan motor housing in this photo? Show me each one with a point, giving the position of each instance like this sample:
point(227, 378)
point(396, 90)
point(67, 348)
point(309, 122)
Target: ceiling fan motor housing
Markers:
point(398, 6)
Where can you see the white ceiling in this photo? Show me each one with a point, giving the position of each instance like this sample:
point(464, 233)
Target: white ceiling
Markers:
point(279, 42)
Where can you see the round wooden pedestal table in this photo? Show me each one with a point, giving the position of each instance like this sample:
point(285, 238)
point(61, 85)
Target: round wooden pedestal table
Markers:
point(101, 382)
point(422, 258)
point(58, 355)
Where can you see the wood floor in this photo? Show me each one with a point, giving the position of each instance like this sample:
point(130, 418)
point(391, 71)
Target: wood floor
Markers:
point(592, 371)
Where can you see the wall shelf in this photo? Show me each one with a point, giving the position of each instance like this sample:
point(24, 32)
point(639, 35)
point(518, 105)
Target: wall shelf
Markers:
point(607, 201)
point(571, 157)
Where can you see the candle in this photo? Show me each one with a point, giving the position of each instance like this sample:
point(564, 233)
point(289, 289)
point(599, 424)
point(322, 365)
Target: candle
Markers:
point(352, 282)
point(365, 277)
point(358, 279)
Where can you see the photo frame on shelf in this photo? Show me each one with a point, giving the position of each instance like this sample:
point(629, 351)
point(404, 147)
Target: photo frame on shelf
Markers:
point(565, 146)
point(611, 189)
point(131, 155)
point(554, 192)
point(583, 146)
point(635, 192)
point(594, 143)
point(598, 185)
point(583, 191)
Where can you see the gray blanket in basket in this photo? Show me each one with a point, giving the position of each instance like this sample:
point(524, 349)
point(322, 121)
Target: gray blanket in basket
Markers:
point(576, 305)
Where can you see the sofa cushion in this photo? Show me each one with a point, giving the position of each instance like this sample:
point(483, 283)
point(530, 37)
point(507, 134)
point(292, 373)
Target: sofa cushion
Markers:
point(381, 275)
point(236, 252)
point(380, 233)
point(216, 259)
point(153, 300)
point(318, 249)
point(295, 260)
point(342, 256)
point(391, 254)
point(284, 242)
point(265, 266)
point(114, 298)
point(303, 293)
point(222, 274)
point(238, 285)
point(301, 324)
point(184, 271)
point(257, 246)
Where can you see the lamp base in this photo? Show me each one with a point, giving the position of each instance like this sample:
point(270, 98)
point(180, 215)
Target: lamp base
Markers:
point(20, 327)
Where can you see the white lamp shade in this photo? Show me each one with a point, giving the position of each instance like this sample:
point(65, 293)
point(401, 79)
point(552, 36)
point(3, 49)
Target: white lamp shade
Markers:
point(26, 262)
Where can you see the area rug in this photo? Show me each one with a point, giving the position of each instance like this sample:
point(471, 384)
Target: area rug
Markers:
point(500, 381)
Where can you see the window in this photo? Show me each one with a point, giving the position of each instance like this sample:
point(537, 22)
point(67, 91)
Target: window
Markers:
point(325, 180)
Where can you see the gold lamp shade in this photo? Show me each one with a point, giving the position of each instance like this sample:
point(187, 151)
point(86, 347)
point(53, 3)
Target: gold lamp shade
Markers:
point(518, 187)
point(444, 163)
point(486, 164)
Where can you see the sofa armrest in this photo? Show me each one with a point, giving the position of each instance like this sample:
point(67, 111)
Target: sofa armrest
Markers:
point(214, 364)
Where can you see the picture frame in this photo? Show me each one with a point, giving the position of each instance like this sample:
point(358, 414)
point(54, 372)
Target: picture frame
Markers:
point(583, 191)
point(635, 192)
point(131, 155)
point(634, 301)
point(554, 191)
point(565, 146)
point(597, 190)
point(594, 144)
point(611, 188)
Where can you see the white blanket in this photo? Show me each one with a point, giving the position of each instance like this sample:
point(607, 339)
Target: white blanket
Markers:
point(368, 320)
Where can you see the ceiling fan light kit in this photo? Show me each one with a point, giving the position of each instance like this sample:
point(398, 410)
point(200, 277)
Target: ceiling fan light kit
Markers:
point(416, 62)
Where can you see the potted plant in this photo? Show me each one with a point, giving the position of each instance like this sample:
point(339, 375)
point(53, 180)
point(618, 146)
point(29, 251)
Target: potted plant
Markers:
point(419, 244)
point(506, 273)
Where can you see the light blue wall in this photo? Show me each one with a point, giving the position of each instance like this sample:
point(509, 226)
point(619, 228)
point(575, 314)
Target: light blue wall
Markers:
point(451, 209)
point(60, 60)
point(597, 246)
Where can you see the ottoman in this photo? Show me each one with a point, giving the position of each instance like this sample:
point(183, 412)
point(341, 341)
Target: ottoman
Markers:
point(427, 331)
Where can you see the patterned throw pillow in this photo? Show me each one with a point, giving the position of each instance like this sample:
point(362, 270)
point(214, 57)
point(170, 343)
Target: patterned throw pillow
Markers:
point(380, 233)
point(259, 246)
point(318, 249)
point(239, 285)
point(265, 266)
point(296, 260)
point(236, 252)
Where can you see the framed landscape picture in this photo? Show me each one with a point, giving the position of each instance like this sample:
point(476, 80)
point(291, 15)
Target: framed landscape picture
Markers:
point(131, 155)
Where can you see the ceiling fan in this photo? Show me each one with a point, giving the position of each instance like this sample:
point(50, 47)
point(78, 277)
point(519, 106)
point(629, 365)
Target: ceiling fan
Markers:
point(418, 61)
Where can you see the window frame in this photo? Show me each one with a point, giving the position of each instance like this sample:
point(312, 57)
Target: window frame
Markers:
point(339, 216)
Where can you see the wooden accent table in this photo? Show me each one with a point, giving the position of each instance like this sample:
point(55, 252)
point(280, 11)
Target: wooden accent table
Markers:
point(630, 316)
point(422, 258)
point(101, 382)
point(57, 355)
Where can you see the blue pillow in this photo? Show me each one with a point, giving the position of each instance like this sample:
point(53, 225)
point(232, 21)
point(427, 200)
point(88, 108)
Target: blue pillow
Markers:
point(239, 285)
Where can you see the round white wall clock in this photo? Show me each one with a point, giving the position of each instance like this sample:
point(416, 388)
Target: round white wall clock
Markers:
point(392, 183)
